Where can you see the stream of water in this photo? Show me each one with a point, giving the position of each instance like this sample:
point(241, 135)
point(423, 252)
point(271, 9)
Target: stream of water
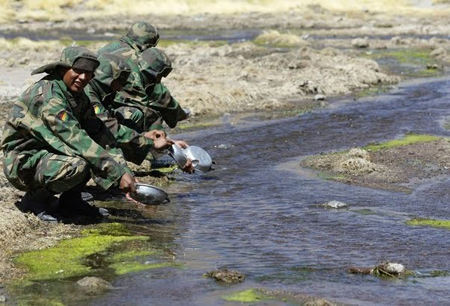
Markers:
point(260, 213)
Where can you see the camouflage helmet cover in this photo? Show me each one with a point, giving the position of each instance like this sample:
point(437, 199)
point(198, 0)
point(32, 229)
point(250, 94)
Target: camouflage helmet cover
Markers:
point(143, 34)
point(72, 57)
point(155, 62)
point(112, 67)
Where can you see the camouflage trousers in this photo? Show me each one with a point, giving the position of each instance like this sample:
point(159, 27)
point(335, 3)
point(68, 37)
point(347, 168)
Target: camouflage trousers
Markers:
point(52, 172)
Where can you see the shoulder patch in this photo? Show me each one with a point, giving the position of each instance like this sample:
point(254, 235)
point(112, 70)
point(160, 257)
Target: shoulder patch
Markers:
point(63, 116)
point(97, 109)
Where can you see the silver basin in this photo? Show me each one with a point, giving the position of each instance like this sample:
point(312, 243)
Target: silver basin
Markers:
point(177, 154)
point(199, 157)
point(150, 195)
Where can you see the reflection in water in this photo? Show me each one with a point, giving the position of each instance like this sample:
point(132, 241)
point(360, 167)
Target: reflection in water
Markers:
point(259, 213)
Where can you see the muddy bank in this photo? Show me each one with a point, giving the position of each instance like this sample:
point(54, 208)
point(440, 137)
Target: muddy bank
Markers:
point(399, 165)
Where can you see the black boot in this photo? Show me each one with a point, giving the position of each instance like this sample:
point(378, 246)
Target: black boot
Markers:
point(40, 202)
point(71, 203)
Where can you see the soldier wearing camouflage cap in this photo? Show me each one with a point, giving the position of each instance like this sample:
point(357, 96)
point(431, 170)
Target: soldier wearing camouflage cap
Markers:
point(53, 143)
point(109, 78)
point(141, 36)
point(146, 92)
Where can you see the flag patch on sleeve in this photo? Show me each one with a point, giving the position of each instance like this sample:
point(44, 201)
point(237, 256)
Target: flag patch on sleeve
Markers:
point(63, 116)
point(97, 109)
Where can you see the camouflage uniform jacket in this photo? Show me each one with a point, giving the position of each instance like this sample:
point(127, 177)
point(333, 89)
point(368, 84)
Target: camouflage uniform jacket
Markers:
point(135, 146)
point(151, 100)
point(47, 117)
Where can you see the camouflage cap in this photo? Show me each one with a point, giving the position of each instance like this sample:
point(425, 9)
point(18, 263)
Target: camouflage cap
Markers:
point(77, 57)
point(143, 34)
point(112, 67)
point(155, 62)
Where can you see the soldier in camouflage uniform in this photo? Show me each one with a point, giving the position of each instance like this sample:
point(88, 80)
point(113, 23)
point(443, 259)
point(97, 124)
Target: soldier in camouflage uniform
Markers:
point(139, 38)
point(53, 143)
point(132, 102)
point(111, 74)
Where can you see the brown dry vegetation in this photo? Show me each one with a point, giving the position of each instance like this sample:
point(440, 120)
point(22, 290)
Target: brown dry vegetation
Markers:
point(398, 168)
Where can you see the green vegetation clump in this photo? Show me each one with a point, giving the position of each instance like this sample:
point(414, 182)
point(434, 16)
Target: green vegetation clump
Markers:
point(246, 296)
point(66, 259)
point(407, 140)
point(430, 222)
point(406, 56)
point(128, 267)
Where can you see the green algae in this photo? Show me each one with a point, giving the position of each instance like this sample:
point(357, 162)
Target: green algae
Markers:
point(407, 140)
point(406, 56)
point(121, 268)
point(246, 296)
point(132, 255)
point(39, 301)
point(430, 222)
point(373, 91)
point(67, 258)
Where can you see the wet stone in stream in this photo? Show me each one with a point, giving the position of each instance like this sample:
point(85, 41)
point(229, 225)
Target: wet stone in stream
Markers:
point(386, 269)
point(94, 284)
point(226, 276)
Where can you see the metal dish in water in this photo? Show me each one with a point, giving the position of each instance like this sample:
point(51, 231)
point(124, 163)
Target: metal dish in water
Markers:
point(177, 154)
point(199, 157)
point(150, 195)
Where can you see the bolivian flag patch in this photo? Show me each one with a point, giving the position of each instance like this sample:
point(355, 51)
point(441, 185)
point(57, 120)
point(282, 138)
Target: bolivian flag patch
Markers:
point(97, 109)
point(63, 116)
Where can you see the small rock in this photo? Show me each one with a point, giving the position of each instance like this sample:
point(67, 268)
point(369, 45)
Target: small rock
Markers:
point(319, 97)
point(335, 204)
point(2, 299)
point(356, 270)
point(433, 66)
point(360, 42)
point(94, 283)
point(393, 268)
point(223, 275)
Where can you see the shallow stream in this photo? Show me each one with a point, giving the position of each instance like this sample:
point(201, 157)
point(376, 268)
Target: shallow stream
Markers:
point(260, 213)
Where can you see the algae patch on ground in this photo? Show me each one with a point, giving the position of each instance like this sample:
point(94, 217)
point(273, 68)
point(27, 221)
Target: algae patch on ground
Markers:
point(246, 296)
point(407, 140)
point(66, 259)
point(430, 222)
point(129, 267)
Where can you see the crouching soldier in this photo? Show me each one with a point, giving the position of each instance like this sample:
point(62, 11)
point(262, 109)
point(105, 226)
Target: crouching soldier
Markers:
point(144, 101)
point(109, 78)
point(53, 143)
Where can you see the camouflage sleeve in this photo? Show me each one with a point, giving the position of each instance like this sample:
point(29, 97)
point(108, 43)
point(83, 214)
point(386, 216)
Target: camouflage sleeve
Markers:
point(107, 165)
point(162, 101)
point(135, 146)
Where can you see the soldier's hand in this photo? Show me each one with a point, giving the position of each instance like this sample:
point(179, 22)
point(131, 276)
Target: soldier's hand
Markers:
point(154, 134)
point(188, 167)
point(127, 183)
point(181, 143)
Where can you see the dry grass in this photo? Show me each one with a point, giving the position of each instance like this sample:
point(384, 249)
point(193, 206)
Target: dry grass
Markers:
point(273, 37)
point(59, 10)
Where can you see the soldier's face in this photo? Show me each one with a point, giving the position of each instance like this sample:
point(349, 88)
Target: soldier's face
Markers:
point(77, 79)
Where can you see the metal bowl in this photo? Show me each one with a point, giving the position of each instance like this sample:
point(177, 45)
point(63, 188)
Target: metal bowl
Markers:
point(199, 157)
point(178, 155)
point(151, 195)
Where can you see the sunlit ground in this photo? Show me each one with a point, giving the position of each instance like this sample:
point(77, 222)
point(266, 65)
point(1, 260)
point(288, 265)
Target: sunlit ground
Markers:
point(70, 9)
